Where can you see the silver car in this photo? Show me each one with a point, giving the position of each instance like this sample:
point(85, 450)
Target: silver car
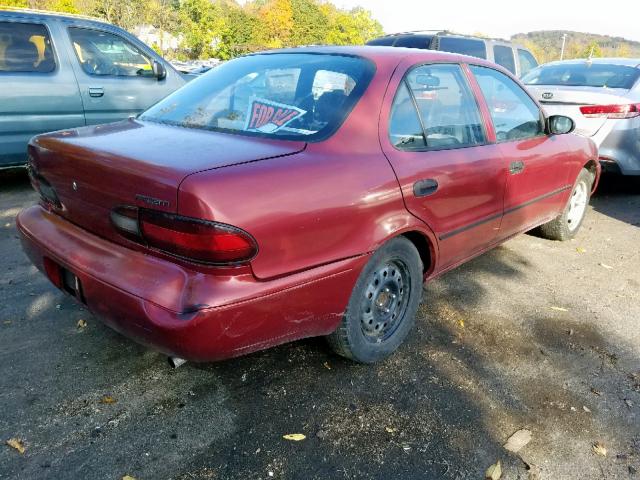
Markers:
point(602, 96)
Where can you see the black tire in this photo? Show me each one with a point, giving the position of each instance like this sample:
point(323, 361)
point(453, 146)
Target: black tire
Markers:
point(383, 304)
point(565, 226)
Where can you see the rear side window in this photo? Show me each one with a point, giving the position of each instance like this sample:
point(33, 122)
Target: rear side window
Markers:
point(527, 61)
point(25, 47)
point(584, 74)
point(503, 56)
point(515, 115)
point(101, 53)
point(435, 109)
point(465, 46)
point(414, 41)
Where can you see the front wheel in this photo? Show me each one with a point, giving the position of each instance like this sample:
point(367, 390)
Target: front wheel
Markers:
point(383, 304)
point(566, 225)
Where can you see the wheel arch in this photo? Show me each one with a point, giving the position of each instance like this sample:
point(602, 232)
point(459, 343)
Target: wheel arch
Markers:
point(593, 167)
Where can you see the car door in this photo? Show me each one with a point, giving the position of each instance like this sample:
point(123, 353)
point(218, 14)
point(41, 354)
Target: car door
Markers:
point(39, 91)
point(452, 176)
point(116, 77)
point(538, 182)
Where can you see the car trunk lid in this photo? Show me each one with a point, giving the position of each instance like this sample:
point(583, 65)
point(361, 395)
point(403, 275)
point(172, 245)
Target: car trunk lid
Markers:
point(567, 100)
point(96, 169)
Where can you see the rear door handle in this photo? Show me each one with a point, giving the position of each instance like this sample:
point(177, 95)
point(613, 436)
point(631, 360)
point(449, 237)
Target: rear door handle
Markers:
point(516, 167)
point(96, 91)
point(422, 188)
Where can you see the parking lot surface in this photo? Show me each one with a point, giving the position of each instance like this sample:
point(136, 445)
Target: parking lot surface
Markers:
point(535, 334)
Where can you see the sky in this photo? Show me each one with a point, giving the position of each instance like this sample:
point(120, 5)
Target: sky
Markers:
point(503, 18)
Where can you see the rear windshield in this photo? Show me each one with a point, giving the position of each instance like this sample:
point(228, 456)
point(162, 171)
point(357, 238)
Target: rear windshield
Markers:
point(584, 75)
point(465, 46)
point(289, 96)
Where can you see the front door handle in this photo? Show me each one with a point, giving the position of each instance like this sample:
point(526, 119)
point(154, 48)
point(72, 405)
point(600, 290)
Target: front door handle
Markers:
point(516, 167)
point(422, 188)
point(96, 91)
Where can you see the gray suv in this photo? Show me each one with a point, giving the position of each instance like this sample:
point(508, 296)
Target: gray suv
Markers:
point(60, 71)
point(515, 58)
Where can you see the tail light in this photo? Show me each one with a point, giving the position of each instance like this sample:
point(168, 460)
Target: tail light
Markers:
point(629, 110)
point(190, 238)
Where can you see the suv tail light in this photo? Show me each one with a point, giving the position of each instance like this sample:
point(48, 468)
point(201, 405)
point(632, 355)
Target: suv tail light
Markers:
point(630, 110)
point(189, 238)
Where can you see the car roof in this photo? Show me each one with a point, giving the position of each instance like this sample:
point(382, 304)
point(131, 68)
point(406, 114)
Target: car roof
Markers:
point(629, 62)
point(29, 14)
point(374, 52)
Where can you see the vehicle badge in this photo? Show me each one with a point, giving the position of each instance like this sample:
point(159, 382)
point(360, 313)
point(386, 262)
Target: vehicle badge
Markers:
point(75, 186)
point(547, 95)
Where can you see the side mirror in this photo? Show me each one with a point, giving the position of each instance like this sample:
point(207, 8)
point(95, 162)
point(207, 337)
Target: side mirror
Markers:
point(159, 71)
point(559, 124)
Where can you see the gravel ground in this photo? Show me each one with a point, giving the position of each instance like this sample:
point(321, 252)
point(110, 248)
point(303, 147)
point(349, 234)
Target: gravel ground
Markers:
point(534, 334)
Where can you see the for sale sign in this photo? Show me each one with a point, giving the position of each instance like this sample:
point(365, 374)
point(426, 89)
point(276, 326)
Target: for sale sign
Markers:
point(267, 117)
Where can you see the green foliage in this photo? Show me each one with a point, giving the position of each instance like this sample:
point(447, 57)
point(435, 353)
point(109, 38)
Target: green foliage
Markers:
point(547, 44)
point(228, 28)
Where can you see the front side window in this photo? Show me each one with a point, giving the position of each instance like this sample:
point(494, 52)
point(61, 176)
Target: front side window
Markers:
point(290, 96)
point(435, 109)
point(527, 61)
point(584, 74)
point(465, 46)
point(101, 53)
point(503, 56)
point(25, 47)
point(515, 115)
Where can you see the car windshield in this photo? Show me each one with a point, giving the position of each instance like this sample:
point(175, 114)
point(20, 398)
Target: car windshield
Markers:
point(584, 75)
point(285, 95)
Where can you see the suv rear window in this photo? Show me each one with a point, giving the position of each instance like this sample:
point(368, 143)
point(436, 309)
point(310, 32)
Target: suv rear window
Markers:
point(25, 47)
point(584, 75)
point(414, 41)
point(465, 46)
point(289, 96)
point(503, 56)
point(382, 41)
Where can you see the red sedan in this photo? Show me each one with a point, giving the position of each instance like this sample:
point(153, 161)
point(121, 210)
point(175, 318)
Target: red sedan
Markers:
point(300, 192)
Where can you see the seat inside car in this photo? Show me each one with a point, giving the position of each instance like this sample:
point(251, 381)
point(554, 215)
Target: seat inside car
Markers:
point(21, 55)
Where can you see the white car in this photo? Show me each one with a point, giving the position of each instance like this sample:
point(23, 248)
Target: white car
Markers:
point(602, 96)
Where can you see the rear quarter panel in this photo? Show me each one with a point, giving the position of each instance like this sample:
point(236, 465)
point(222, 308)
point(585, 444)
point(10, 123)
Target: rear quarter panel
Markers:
point(336, 199)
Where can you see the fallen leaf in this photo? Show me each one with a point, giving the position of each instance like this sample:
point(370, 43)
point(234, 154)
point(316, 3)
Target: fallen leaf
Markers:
point(518, 440)
point(599, 449)
point(295, 437)
point(628, 402)
point(17, 444)
point(108, 399)
point(494, 472)
point(604, 265)
point(327, 366)
point(390, 430)
point(81, 324)
point(559, 309)
point(596, 392)
point(128, 477)
point(461, 323)
point(581, 250)
point(586, 409)
point(7, 224)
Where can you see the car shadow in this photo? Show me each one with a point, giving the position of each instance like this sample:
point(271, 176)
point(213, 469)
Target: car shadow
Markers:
point(618, 197)
point(92, 404)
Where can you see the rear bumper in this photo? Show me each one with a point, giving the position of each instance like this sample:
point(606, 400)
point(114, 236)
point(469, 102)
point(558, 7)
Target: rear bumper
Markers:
point(619, 146)
point(186, 313)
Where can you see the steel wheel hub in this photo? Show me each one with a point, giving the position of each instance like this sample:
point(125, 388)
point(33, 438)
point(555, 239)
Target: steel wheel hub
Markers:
point(577, 205)
point(385, 300)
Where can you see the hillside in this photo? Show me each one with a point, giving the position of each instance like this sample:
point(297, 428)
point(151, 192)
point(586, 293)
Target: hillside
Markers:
point(546, 45)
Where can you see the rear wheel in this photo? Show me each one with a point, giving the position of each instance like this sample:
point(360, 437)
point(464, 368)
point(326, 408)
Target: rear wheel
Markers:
point(566, 225)
point(383, 304)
